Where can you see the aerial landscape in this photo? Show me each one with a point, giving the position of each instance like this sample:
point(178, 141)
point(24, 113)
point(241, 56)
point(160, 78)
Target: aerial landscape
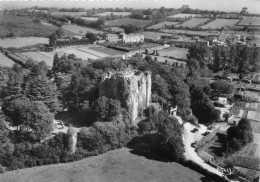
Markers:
point(105, 91)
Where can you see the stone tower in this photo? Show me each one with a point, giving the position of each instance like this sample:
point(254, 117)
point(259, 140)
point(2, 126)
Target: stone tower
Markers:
point(131, 87)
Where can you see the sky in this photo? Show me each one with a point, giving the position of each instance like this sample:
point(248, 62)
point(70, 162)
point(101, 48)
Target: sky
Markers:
point(222, 5)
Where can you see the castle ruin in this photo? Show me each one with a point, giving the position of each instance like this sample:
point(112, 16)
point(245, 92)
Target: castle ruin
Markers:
point(131, 87)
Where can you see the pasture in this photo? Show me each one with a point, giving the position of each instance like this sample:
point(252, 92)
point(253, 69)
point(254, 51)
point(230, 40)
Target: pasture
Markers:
point(23, 27)
point(22, 41)
point(5, 61)
point(114, 13)
point(247, 20)
point(154, 35)
point(38, 56)
point(219, 23)
point(189, 32)
point(89, 18)
point(117, 165)
point(128, 21)
point(74, 14)
point(194, 22)
point(183, 15)
point(80, 30)
point(162, 25)
point(176, 52)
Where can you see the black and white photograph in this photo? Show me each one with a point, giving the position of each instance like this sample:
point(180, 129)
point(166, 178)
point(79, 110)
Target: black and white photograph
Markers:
point(129, 90)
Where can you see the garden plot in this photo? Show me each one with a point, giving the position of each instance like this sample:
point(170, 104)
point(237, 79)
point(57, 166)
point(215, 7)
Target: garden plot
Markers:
point(253, 115)
point(193, 22)
point(163, 25)
point(5, 61)
point(219, 23)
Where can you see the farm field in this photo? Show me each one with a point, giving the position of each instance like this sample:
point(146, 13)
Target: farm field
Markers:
point(182, 15)
point(74, 14)
point(23, 27)
point(117, 165)
point(154, 35)
point(128, 21)
point(5, 61)
point(80, 30)
point(194, 22)
point(22, 41)
point(162, 25)
point(38, 56)
point(175, 52)
point(189, 32)
point(253, 115)
point(107, 51)
point(219, 23)
point(89, 18)
point(247, 20)
point(256, 126)
point(114, 13)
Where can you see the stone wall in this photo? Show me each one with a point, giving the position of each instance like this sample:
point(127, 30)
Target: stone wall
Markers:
point(131, 87)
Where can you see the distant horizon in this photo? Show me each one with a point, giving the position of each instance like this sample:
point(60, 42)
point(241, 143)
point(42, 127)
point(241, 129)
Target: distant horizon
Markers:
point(217, 5)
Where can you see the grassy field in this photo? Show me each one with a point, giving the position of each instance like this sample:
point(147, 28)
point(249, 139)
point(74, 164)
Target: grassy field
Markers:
point(118, 165)
point(108, 51)
point(154, 35)
point(247, 20)
point(175, 52)
point(193, 22)
point(114, 13)
point(182, 15)
point(80, 30)
point(38, 56)
point(256, 126)
point(89, 18)
point(5, 61)
point(219, 23)
point(22, 41)
point(23, 27)
point(253, 115)
point(128, 21)
point(162, 25)
point(189, 32)
point(74, 14)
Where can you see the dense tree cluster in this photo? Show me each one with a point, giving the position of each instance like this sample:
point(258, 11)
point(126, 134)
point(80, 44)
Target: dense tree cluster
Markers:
point(240, 135)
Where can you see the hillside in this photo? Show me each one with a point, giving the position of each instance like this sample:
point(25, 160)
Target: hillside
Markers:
point(117, 165)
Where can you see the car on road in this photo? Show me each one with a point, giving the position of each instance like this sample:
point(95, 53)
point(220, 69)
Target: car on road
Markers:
point(206, 133)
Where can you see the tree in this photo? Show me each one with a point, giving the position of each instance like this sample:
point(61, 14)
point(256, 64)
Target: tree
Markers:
point(107, 109)
point(222, 87)
point(129, 29)
point(91, 37)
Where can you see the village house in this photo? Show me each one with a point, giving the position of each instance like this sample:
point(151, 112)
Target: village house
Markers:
point(112, 37)
point(132, 38)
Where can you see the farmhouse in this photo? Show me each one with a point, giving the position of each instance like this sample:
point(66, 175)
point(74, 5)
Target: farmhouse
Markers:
point(131, 87)
point(132, 38)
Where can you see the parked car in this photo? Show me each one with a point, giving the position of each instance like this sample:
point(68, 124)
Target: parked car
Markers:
point(194, 130)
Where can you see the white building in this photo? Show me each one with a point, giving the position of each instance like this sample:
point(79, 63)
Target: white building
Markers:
point(132, 38)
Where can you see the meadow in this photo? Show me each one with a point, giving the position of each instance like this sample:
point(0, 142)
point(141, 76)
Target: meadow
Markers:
point(189, 32)
point(89, 18)
point(219, 23)
point(5, 61)
point(22, 41)
point(179, 53)
point(128, 21)
point(154, 35)
point(23, 27)
point(80, 30)
point(116, 165)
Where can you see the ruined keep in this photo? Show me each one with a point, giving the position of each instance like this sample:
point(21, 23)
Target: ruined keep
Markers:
point(131, 87)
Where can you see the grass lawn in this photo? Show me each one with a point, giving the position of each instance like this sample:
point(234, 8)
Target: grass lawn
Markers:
point(23, 27)
point(118, 165)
